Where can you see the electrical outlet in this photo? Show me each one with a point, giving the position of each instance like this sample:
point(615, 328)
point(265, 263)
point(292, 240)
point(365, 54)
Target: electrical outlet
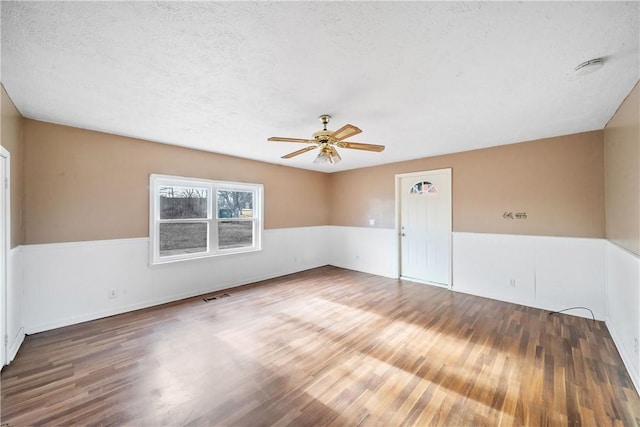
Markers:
point(113, 293)
point(512, 283)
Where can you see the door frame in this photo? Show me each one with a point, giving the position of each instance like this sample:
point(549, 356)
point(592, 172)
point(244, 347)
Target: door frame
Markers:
point(398, 190)
point(5, 247)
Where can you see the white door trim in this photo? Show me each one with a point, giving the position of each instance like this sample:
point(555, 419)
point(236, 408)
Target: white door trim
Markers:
point(398, 221)
point(5, 247)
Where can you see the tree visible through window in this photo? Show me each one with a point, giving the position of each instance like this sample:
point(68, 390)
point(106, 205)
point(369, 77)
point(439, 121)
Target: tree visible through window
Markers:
point(183, 219)
point(235, 219)
point(192, 218)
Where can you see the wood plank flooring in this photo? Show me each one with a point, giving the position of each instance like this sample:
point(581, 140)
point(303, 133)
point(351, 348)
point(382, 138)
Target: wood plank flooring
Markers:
point(323, 347)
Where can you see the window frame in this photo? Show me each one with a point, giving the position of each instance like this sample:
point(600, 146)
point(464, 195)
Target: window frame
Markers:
point(212, 220)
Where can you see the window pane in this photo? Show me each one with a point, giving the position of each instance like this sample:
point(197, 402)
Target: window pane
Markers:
point(235, 234)
point(183, 202)
point(423, 187)
point(235, 204)
point(180, 238)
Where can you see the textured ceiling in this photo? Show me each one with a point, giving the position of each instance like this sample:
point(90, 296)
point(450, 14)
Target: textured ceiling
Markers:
point(421, 78)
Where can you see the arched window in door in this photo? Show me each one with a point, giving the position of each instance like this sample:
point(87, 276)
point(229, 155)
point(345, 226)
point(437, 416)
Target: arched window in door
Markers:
point(424, 187)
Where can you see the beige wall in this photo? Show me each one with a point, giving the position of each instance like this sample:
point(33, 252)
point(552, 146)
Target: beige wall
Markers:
point(11, 138)
point(622, 174)
point(558, 182)
point(83, 185)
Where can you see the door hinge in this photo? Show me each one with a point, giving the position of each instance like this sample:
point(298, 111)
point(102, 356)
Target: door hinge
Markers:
point(6, 183)
point(6, 340)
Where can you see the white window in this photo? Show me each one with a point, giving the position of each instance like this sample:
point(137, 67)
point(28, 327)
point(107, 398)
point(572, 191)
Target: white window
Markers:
point(194, 218)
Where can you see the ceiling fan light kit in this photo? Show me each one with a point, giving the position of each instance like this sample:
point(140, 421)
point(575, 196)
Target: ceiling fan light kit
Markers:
point(327, 155)
point(327, 141)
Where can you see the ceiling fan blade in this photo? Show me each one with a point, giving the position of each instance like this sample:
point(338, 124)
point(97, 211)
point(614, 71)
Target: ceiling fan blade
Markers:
point(281, 139)
point(359, 146)
point(295, 153)
point(345, 132)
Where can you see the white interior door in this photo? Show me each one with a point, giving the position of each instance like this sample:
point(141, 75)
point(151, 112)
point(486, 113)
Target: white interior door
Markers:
point(425, 226)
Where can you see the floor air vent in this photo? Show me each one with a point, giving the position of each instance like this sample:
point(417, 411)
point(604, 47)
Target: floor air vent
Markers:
point(211, 298)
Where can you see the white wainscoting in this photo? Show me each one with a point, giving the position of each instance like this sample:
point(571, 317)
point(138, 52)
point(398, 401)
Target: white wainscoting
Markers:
point(67, 283)
point(552, 273)
point(15, 304)
point(623, 300)
point(370, 250)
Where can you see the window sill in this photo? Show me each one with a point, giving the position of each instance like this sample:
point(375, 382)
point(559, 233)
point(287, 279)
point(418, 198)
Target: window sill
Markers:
point(195, 257)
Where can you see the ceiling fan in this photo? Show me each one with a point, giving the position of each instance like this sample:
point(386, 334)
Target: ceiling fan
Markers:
point(327, 141)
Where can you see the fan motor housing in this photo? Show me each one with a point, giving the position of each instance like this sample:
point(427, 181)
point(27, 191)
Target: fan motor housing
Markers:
point(323, 136)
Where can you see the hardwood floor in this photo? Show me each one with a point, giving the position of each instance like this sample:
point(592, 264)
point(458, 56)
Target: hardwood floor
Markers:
point(324, 347)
